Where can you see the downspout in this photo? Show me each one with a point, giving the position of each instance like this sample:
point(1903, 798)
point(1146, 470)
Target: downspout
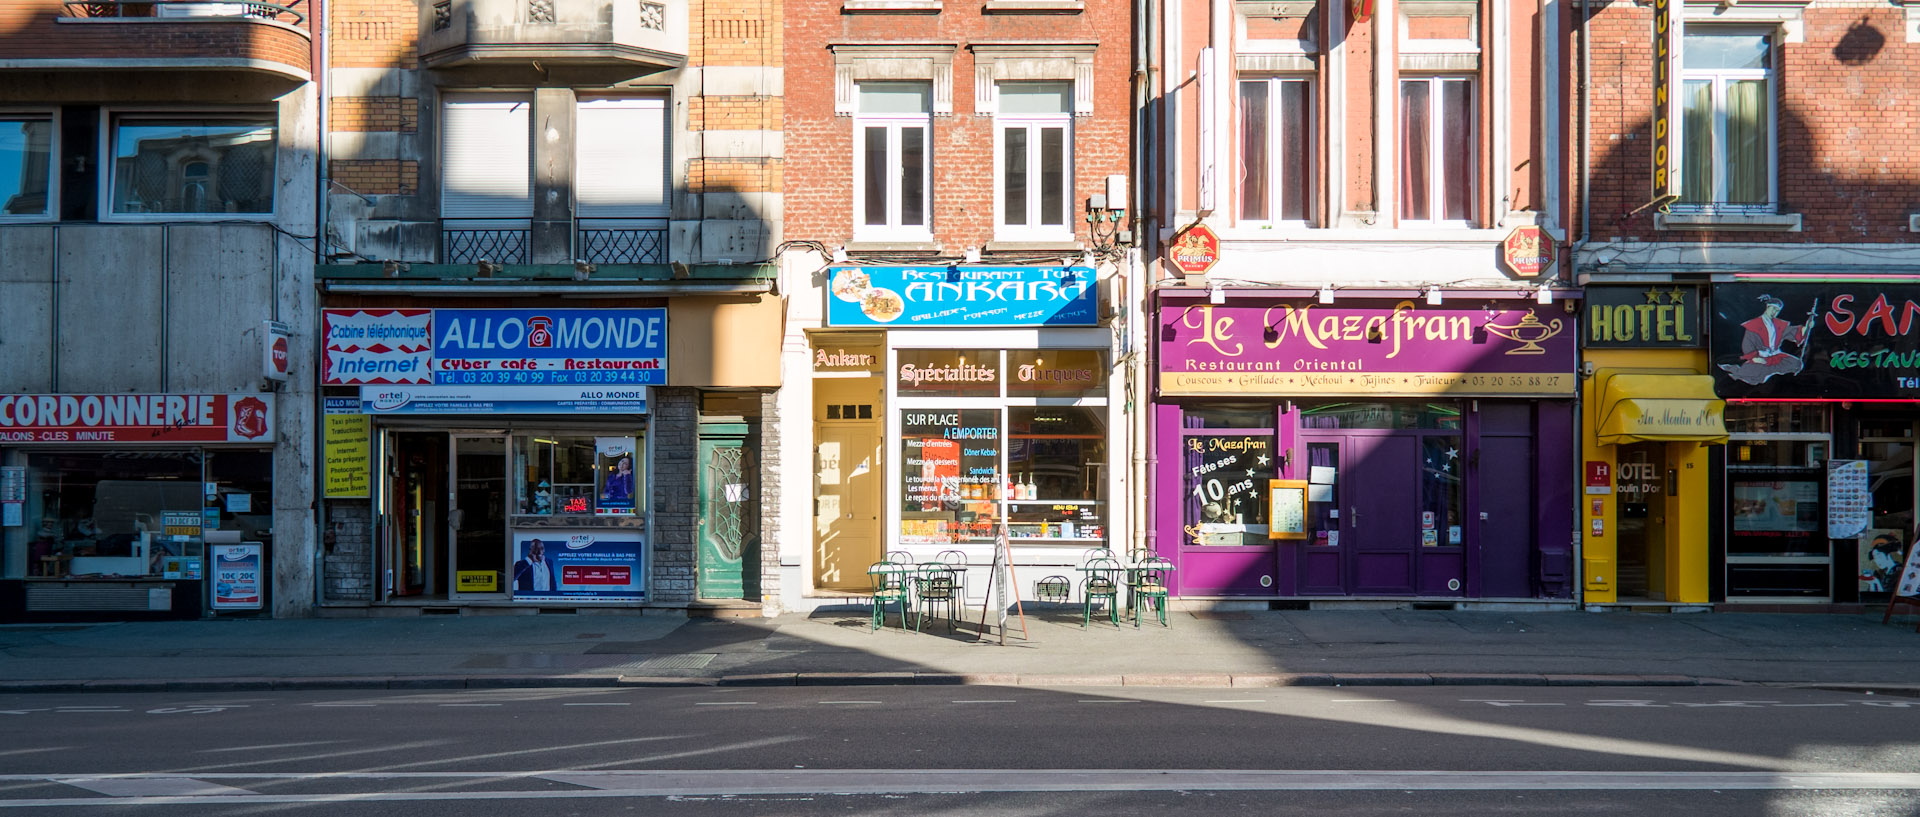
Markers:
point(323, 48)
point(1149, 116)
point(1577, 570)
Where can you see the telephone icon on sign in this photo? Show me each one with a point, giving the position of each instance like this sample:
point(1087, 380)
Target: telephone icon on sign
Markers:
point(540, 333)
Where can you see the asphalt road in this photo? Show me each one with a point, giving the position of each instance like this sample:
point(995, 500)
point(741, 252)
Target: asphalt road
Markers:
point(966, 750)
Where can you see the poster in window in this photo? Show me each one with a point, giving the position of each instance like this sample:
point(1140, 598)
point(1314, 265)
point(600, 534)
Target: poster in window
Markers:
point(1882, 552)
point(1783, 506)
point(613, 469)
point(1225, 493)
point(950, 481)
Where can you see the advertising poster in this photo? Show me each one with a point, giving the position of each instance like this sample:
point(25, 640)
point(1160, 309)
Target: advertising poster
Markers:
point(1226, 483)
point(1849, 503)
point(971, 296)
point(495, 347)
point(238, 578)
point(576, 565)
point(1882, 552)
point(348, 455)
point(1791, 506)
point(950, 475)
point(613, 470)
point(503, 399)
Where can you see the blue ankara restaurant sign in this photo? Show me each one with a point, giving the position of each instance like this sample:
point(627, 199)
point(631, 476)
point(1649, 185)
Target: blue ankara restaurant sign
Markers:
point(969, 296)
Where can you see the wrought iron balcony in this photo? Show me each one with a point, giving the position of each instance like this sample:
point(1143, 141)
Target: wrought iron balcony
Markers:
point(254, 37)
point(473, 240)
point(621, 240)
point(634, 36)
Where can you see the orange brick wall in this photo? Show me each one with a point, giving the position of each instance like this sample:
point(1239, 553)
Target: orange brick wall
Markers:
point(819, 145)
point(386, 114)
point(377, 177)
point(1847, 114)
point(374, 33)
point(735, 175)
point(734, 113)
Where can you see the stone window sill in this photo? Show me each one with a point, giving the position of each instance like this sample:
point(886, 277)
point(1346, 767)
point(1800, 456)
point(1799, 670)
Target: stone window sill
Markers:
point(893, 246)
point(890, 7)
point(1033, 7)
point(1728, 222)
point(1033, 246)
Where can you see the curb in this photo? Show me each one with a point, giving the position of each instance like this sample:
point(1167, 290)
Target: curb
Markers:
point(780, 679)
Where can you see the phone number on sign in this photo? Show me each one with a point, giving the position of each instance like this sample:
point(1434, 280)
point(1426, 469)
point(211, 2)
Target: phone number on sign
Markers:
point(557, 378)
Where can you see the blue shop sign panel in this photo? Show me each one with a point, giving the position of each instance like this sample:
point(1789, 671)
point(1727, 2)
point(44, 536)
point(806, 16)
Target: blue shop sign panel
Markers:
point(969, 296)
point(503, 399)
point(495, 347)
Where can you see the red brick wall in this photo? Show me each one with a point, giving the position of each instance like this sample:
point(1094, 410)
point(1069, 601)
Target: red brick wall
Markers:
point(33, 29)
point(819, 145)
point(1847, 114)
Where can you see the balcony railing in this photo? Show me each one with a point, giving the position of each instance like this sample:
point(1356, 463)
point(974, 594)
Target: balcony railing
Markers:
point(287, 12)
point(621, 240)
point(472, 240)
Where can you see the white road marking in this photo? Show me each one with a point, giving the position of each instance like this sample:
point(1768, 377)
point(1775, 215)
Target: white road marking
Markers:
point(595, 703)
point(725, 703)
point(1237, 701)
point(1107, 701)
point(469, 704)
point(850, 702)
point(984, 702)
point(1361, 701)
point(266, 746)
point(926, 781)
point(153, 787)
point(347, 705)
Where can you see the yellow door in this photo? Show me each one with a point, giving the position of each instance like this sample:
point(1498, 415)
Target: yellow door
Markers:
point(846, 506)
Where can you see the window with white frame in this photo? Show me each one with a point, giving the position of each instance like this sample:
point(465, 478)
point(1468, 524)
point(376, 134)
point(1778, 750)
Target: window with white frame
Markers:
point(1726, 121)
point(26, 166)
point(1033, 167)
point(1276, 150)
point(1437, 150)
point(892, 162)
point(175, 165)
point(486, 178)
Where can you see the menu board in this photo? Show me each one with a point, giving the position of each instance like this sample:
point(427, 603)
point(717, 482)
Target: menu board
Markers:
point(1849, 502)
point(1287, 509)
point(950, 477)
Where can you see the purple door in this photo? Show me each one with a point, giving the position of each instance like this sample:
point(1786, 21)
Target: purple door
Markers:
point(1380, 529)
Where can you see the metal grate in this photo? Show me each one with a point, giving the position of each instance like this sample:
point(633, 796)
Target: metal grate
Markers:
point(623, 245)
point(99, 598)
point(696, 660)
point(470, 246)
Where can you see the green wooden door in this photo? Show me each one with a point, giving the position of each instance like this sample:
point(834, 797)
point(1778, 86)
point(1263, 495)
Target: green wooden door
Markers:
point(729, 527)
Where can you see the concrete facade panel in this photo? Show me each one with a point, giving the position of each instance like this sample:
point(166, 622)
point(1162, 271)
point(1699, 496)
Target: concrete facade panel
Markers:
point(111, 334)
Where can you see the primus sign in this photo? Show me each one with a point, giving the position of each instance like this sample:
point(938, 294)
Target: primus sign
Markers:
point(496, 346)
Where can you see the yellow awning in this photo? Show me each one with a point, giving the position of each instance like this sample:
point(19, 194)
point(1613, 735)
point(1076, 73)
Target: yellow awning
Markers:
point(1658, 406)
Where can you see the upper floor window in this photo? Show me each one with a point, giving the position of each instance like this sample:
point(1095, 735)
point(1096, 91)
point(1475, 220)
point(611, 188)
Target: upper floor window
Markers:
point(892, 161)
point(486, 178)
point(26, 166)
point(192, 165)
point(1726, 122)
point(1276, 150)
point(1033, 148)
point(621, 192)
point(1437, 150)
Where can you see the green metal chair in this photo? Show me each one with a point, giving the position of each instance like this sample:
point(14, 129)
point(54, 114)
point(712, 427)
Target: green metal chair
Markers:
point(936, 585)
point(1055, 589)
point(1150, 585)
point(887, 587)
point(1102, 582)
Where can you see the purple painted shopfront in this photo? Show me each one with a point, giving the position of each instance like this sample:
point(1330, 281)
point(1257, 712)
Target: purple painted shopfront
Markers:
point(1436, 442)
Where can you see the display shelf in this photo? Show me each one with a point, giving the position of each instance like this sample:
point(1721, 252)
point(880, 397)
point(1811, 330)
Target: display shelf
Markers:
point(1056, 502)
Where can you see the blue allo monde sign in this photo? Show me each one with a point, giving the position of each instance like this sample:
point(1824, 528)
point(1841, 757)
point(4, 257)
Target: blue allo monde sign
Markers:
point(971, 296)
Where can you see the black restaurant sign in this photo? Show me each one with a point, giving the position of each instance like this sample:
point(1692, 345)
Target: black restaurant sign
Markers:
point(1825, 341)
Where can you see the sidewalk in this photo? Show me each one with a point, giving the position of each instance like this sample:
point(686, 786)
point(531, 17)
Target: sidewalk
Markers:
point(1391, 647)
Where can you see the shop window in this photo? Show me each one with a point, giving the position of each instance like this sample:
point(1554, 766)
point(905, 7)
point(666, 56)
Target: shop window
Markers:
point(242, 485)
point(1230, 415)
point(950, 477)
point(1323, 493)
point(26, 167)
point(1056, 472)
point(1033, 142)
point(1225, 487)
point(1395, 415)
point(110, 514)
point(1442, 518)
point(892, 164)
point(172, 165)
point(1276, 150)
point(1726, 123)
point(1776, 418)
point(1437, 150)
point(577, 475)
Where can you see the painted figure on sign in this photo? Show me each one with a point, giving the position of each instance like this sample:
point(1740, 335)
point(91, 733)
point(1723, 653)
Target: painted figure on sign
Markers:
point(1761, 354)
point(533, 573)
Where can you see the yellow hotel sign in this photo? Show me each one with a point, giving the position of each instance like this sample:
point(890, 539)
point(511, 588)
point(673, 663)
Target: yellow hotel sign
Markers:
point(349, 456)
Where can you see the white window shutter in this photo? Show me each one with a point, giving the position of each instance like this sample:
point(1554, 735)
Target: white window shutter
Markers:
point(486, 157)
point(620, 158)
